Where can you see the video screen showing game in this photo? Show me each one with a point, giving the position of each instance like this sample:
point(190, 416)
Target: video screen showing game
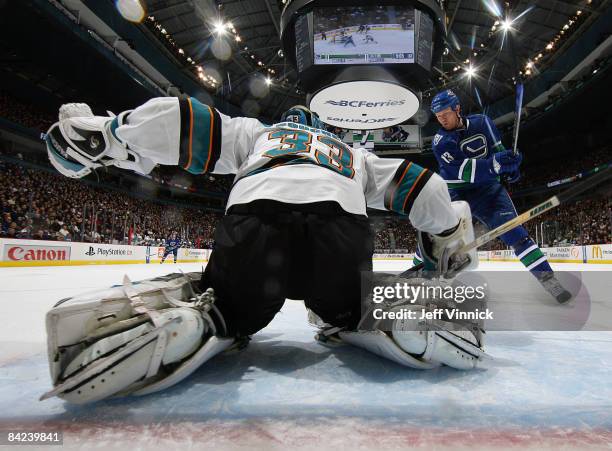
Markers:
point(364, 35)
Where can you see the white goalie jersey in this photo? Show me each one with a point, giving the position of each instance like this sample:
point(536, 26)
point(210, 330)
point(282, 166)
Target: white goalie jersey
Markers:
point(285, 162)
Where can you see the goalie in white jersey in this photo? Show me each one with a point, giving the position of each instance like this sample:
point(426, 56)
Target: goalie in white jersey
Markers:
point(295, 225)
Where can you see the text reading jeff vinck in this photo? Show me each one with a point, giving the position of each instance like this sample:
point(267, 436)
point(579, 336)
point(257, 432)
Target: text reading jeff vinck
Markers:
point(418, 300)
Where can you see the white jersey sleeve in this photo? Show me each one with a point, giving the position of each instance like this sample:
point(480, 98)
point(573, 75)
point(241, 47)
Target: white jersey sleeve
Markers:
point(408, 189)
point(186, 133)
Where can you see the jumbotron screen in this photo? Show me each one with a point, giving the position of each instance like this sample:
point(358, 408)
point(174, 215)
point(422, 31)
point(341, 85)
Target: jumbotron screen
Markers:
point(365, 35)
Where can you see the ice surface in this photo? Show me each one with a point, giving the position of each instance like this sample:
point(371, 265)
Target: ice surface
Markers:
point(546, 390)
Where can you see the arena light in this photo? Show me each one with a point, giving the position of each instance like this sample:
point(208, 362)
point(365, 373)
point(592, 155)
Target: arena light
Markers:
point(493, 7)
point(220, 28)
point(268, 81)
point(131, 10)
point(470, 71)
point(506, 25)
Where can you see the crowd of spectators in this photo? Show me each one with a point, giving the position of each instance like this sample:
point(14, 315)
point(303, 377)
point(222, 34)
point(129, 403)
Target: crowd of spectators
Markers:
point(23, 113)
point(559, 169)
point(36, 204)
point(585, 222)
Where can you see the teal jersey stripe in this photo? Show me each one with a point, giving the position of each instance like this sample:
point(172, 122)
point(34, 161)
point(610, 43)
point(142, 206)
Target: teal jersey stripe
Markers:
point(405, 187)
point(201, 138)
point(114, 125)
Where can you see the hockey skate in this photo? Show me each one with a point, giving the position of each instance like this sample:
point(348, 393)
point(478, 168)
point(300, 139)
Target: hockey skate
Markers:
point(554, 287)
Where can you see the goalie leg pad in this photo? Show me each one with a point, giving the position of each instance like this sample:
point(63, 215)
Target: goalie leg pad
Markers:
point(420, 345)
point(411, 339)
point(131, 339)
point(381, 344)
point(439, 341)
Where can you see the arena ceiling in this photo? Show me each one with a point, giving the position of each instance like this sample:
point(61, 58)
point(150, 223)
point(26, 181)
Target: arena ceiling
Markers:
point(478, 43)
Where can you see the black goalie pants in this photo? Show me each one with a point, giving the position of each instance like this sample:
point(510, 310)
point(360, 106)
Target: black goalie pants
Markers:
point(267, 251)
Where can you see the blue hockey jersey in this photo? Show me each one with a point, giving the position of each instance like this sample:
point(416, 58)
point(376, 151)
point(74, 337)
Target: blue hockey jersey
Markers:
point(462, 153)
point(173, 243)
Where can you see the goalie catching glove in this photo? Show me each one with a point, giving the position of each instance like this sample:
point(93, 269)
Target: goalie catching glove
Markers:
point(81, 142)
point(133, 339)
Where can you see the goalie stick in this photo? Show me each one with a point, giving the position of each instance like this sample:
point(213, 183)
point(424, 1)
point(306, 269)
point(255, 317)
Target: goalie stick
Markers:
point(543, 207)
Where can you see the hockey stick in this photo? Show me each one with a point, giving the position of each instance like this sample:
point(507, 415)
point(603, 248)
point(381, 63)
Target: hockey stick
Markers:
point(518, 107)
point(545, 206)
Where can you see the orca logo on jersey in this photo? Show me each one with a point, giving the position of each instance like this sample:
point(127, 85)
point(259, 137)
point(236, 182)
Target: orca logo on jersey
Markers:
point(475, 146)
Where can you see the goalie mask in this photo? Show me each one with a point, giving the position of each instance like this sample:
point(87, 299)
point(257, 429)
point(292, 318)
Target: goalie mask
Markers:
point(302, 115)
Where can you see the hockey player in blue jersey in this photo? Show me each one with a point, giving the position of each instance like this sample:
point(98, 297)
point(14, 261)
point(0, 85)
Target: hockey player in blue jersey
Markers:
point(472, 159)
point(172, 246)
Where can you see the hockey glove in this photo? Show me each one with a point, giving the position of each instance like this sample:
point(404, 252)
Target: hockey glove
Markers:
point(439, 252)
point(505, 162)
point(514, 176)
point(81, 142)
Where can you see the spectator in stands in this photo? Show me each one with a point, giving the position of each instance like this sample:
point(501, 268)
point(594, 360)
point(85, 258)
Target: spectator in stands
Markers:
point(40, 205)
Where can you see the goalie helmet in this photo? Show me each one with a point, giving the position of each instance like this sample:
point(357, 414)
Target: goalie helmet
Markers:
point(302, 115)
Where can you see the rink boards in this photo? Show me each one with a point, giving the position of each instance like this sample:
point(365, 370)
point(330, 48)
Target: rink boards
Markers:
point(17, 253)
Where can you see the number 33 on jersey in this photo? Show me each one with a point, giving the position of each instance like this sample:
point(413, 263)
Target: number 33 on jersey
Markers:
point(304, 147)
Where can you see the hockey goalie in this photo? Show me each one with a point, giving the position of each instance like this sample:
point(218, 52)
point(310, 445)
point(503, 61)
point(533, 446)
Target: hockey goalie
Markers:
point(295, 227)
